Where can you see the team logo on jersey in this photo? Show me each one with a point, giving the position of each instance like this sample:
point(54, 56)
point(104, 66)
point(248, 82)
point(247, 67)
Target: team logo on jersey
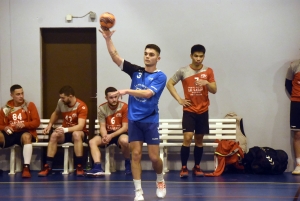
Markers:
point(140, 87)
point(139, 75)
point(83, 107)
point(118, 115)
point(151, 78)
point(203, 76)
point(74, 115)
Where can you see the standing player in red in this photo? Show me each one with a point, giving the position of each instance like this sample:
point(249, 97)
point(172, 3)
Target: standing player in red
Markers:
point(197, 80)
point(113, 121)
point(292, 85)
point(73, 129)
point(18, 122)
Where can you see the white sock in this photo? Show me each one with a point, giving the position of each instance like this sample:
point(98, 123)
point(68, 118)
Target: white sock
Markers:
point(159, 177)
point(27, 153)
point(137, 184)
point(298, 161)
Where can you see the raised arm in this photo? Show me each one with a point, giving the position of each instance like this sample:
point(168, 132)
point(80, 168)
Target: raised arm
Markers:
point(110, 46)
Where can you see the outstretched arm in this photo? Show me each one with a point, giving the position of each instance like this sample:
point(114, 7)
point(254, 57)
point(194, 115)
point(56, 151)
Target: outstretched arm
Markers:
point(145, 93)
point(110, 46)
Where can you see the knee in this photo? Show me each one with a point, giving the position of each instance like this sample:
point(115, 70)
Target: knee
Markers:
point(154, 158)
point(26, 137)
point(92, 143)
point(123, 142)
point(136, 155)
point(54, 136)
point(187, 142)
point(297, 136)
point(77, 136)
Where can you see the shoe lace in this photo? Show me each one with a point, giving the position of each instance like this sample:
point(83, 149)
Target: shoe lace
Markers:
point(138, 192)
point(161, 185)
point(197, 168)
point(184, 169)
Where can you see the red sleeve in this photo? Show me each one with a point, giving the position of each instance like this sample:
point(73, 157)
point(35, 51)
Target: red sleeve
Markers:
point(82, 111)
point(2, 123)
point(34, 118)
point(211, 77)
point(125, 114)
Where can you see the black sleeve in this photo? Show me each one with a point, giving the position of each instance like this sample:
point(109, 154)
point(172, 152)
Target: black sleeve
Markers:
point(242, 127)
point(288, 86)
point(131, 68)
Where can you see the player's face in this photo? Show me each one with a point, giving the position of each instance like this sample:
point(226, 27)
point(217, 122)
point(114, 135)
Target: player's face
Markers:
point(18, 96)
point(112, 98)
point(197, 58)
point(65, 99)
point(151, 57)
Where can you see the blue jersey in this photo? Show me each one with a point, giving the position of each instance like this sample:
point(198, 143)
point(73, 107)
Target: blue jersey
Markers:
point(144, 109)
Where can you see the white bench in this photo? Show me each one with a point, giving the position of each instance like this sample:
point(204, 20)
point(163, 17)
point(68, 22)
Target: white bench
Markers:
point(171, 135)
point(15, 158)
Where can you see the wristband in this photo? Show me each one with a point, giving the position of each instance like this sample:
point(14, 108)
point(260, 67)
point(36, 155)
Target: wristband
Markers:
point(66, 130)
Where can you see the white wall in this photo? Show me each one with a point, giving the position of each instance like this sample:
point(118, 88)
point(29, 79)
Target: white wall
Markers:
point(249, 45)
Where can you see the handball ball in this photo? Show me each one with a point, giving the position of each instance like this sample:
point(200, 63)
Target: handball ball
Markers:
point(107, 20)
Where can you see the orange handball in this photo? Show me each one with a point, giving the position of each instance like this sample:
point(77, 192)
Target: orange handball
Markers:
point(107, 20)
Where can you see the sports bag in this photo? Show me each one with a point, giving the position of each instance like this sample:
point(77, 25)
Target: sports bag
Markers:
point(265, 160)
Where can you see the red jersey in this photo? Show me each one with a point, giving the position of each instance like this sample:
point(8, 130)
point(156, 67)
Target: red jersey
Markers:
point(26, 114)
point(72, 114)
point(293, 74)
point(113, 118)
point(198, 95)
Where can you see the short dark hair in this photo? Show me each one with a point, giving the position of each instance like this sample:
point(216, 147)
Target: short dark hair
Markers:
point(198, 48)
point(110, 89)
point(153, 46)
point(14, 87)
point(67, 90)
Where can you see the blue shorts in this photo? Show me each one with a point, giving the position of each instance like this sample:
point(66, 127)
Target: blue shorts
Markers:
point(143, 132)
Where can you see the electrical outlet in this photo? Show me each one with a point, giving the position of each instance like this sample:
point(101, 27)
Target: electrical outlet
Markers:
point(92, 15)
point(69, 17)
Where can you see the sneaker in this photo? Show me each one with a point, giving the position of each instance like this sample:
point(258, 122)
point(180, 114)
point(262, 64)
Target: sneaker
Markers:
point(297, 170)
point(79, 171)
point(197, 171)
point(46, 170)
point(95, 172)
point(127, 167)
point(184, 172)
point(139, 195)
point(161, 190)
point(26, 171)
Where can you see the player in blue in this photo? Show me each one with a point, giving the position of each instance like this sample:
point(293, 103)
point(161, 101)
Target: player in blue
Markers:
point(146, 88)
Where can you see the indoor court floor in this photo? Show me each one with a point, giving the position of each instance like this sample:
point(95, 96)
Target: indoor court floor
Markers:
point(118, 186)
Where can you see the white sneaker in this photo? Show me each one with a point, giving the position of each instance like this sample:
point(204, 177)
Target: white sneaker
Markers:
point(139, 195)
point(161, 190)
point(297, 170)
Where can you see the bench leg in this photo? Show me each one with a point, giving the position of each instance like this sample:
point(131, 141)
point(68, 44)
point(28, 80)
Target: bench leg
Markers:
point(165, 159)
point(12, 160)
point(66, 159)
point(107, 164)
point(18, 158)
point(71, 159)
point(112, 160)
